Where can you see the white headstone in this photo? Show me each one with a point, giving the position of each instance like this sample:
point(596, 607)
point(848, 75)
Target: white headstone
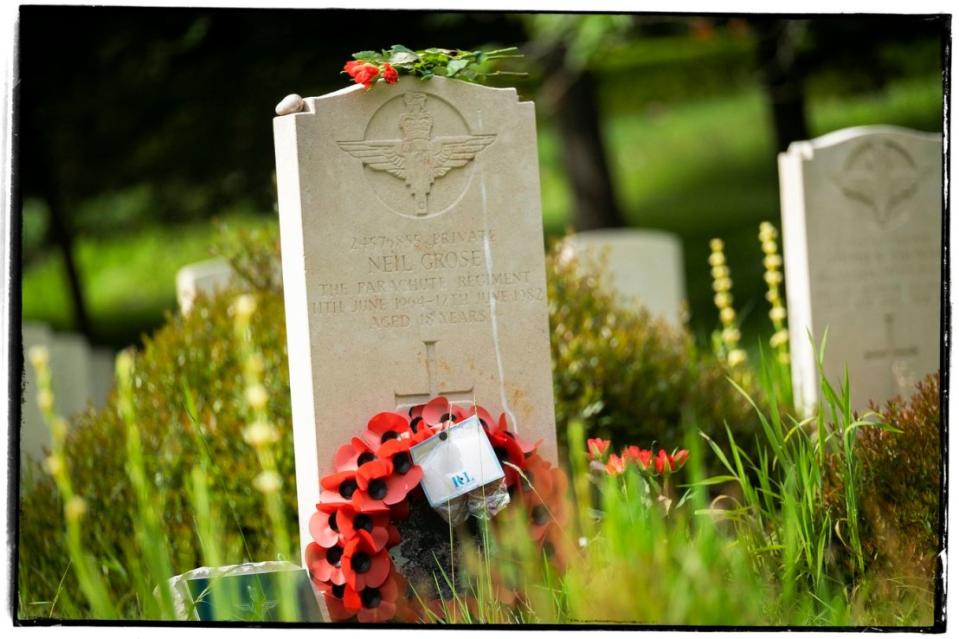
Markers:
point(862, 231)
point(645, 267)
point(206, 277)
point(413, 262)
point(73, 378)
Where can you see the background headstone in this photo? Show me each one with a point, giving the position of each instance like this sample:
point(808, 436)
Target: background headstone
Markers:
point(645, 266)
point(413, 262)
point(81, 375)
point(206, 277)
point(862, 237)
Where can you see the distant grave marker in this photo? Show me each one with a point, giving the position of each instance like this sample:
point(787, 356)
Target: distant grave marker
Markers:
point(862, 231)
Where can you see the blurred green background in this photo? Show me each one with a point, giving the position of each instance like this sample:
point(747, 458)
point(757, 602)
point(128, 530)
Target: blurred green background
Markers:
point(139, 126)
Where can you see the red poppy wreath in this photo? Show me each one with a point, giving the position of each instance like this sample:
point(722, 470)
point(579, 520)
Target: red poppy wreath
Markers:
point(365, 500)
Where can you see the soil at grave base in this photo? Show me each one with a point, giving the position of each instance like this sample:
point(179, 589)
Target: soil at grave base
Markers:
point(425, 557)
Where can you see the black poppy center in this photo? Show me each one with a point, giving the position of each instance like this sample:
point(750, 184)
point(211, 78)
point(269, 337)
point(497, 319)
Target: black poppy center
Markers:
point(402, 463)
point(365, 458)
point(363, 522)
point(388, 435)
point(347, 488)
point(377, 489)
point(360, 563)
point(333, 525)
point(447, 417)
point(371, 597)
point(338, 590)
point(333, 556)
point(540, 515)
point(415, 424)
point(501, 453)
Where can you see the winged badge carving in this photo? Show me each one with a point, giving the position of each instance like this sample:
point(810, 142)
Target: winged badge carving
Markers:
point(882, 175)
point(418, 159)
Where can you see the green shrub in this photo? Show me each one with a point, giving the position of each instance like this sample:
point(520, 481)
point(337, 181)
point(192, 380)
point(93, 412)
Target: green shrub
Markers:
point(189, 403)
point(898, 483)
point(633, 378)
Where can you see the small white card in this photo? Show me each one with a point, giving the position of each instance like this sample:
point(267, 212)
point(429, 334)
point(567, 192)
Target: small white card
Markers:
point(456, 461)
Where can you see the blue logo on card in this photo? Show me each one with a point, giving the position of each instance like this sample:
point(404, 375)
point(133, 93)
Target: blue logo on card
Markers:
point(461, 479)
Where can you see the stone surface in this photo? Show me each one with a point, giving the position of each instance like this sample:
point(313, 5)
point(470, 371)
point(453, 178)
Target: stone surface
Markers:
point(862, 235)
point(81, 376)
point(413, 262)
point(646, 267)
point(206, 277)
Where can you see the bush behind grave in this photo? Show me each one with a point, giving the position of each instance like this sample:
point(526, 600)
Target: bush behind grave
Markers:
point(633, 378)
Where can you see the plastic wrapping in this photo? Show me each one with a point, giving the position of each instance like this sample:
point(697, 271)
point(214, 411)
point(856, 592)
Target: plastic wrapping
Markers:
point(484, 502)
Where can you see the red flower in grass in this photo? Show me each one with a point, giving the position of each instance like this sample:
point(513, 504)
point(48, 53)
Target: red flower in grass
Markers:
point(333, 595)
point(353, 455)
point(406, 474)
point(323, 525)
point(363, 565)
point(666, 463)
point(363, 73)
point(338, 488)
point(325, 564)
point(379, 486)
point(390, 74)
point(640, 456)
point(615, 465)
point(596, 448)
point(375, 522)
point(374, 604)
point(384, 427)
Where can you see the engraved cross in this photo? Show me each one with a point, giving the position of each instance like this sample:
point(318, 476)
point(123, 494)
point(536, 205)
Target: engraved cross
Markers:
point(433, 387)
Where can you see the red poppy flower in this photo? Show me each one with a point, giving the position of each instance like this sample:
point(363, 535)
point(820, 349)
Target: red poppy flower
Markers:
point(640, 456)
point(390, 74)
point(485, 418)
point(333, 595)
point(503, 427)
point(374, 604)
point(375, 522)
point(338, 488)
point(364, 565)
point(362, 72)
point(545, 497)
point(353, 455)
point(406, 474)
point(596, 448)
point(439, 411)
point(509, 454)
point(679, 459)
point(615, 465)
point(385, 426)
point(323, 525)
point(380, 487)
point(325, 564)
point(557, 545)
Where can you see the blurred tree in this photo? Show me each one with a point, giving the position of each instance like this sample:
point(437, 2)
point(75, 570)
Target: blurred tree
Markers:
point(565, 45)
point(781, 76)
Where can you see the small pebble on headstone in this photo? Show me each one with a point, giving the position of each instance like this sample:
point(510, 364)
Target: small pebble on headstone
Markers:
point(290, 104)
